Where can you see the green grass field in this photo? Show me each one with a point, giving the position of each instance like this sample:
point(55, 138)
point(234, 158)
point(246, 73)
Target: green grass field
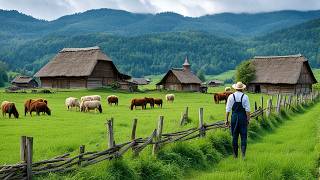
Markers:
point(65, 131)
point(289, 152)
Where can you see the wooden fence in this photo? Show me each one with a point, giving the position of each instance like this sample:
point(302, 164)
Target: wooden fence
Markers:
point(26, 169)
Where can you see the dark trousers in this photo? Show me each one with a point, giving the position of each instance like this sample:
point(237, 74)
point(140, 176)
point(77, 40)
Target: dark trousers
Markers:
point(239, 126)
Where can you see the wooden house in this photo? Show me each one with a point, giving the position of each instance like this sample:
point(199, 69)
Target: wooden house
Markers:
point(180, 79)
point(81, 68)
point(282, 74)
point(24, 82)
point(214, 83)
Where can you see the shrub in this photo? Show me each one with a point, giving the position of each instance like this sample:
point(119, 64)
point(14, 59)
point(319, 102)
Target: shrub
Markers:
point(221, 141)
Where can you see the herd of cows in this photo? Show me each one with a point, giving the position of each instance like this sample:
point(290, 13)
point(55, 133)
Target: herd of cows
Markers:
point(85, 104)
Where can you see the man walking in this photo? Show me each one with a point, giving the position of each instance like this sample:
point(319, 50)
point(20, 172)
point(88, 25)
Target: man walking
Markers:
point(239, 103)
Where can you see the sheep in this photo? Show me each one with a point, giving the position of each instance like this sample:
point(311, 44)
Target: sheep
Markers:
point(86, 106)
point(91, 98)
point(72, 102)
point(170, 97)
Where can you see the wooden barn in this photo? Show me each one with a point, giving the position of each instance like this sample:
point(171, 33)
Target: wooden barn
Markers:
point(24, 82)
point(81, 68)
point(180, 79)
point(282, 74)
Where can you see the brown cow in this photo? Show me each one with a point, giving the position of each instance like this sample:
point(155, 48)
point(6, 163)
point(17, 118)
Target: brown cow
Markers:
point(112, 99)
point(221, 96)
point(150, 101)
point(138, 102)
point(28, 103)
point(10, 108)
point(158, 102)
point(39, 107)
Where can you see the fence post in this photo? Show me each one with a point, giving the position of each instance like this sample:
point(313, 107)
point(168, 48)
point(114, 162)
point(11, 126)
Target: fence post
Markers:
point(262, 104)
point(279, 104)
point(29, 144)
point(285, 102)
point(156, 145)
point(269, 107)
point(201, 124)
point(111, 142)
point(289, 100)
point(184, 116)
point(23, 146)
point(81, 151)
point(134, 128)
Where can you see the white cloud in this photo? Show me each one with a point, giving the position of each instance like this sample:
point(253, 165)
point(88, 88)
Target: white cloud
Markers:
point(52, 9)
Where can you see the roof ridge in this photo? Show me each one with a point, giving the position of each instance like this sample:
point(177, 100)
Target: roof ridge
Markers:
point(269, 57)
point(80, 49)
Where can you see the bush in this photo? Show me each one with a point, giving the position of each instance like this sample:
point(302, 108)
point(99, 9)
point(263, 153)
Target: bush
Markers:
point(245, 72)
point(221, 141)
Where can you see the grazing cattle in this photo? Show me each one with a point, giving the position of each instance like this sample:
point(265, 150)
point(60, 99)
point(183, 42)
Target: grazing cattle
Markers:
point(221, 96)
point(10, 108)
point(149, 101)
point(72, 102)
point(138, 102)
point(158, 102)
point(113, 99)
point(39, 107)
point(91, 98)
point(28, 103)
point(170, 97)
point(86, 106)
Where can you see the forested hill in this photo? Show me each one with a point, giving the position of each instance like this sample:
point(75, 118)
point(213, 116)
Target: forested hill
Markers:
point(143, 44)
point(129, 24)
point(303, 38)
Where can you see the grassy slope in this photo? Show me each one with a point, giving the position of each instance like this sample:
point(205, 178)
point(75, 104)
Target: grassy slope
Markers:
point(223, 76)
point(65, 131)
point(287, 153)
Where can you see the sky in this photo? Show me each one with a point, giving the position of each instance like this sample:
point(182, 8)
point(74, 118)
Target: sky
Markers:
point(53, 9)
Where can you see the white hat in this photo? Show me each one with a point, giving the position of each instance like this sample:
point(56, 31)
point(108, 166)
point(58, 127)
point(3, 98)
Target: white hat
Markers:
point(239, 86)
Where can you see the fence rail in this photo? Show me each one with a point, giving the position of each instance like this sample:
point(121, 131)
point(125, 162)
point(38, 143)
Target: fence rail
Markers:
point(64, 163)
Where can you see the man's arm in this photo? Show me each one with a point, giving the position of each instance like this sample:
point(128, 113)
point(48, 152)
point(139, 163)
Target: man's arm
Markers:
point(227, 119)
point(228, 110)
point(247, 108)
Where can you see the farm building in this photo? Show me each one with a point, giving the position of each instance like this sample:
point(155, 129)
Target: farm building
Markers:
point(282, 74)
point(180, 79)
point(81, 68)
point(214, 83)
point(141, 81)
point(24, 82)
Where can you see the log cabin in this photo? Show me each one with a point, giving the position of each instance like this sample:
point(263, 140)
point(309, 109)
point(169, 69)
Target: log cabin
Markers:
point(180, 79)
point(282, 74)
point(81, 68)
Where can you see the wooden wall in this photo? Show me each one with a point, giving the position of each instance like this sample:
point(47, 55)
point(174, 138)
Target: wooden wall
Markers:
point(282, 88)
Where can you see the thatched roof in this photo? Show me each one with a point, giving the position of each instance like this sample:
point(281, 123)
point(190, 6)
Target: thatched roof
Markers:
point(75, 62)
point(22, 79)
point(183, 76)
point(280, 69)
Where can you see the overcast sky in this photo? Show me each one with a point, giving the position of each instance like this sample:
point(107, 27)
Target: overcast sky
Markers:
point(53, 9)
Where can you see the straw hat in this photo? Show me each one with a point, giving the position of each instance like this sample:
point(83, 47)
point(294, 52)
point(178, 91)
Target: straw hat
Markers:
point(239, 86)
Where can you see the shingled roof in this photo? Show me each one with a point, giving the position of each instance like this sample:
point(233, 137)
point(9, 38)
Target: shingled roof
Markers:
point(74, 62)
point(22, 79)
point(280, 69)
point(183, 76)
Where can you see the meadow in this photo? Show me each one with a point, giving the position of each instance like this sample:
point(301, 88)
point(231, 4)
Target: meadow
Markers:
point(64, 131)
point(277, 155)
